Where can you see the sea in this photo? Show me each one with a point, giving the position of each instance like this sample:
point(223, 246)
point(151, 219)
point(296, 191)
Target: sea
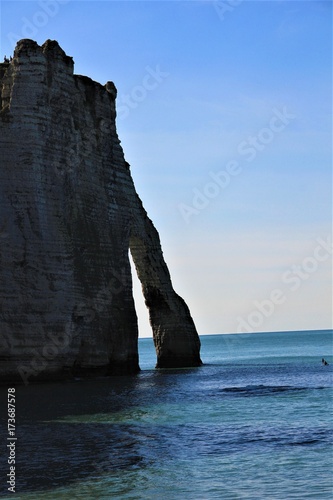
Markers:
point(254, 422)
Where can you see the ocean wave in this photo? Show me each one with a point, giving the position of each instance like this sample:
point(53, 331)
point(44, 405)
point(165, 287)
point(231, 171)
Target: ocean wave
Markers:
point(264, 390)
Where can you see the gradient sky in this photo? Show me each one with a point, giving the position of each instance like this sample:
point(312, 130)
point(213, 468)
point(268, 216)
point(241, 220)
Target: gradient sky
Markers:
point(224, 113)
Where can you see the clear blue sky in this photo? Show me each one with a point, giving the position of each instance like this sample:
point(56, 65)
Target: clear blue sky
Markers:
point(224, 113)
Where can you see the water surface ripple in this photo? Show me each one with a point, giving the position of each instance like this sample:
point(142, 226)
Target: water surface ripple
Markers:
point(253, 422)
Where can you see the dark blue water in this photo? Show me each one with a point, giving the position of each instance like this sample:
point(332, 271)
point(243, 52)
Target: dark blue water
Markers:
point(254, 422)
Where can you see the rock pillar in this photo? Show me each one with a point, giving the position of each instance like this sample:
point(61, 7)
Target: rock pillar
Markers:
point(69, 213)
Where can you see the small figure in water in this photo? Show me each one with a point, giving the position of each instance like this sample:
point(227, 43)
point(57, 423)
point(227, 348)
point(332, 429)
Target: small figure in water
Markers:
point(324, 362)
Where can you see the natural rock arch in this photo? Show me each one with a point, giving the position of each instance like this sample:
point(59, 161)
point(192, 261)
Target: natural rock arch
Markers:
point(69, 214)
point(174, 333)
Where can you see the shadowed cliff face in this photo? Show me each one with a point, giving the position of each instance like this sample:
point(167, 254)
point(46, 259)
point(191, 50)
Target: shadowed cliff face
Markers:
point(69, 213)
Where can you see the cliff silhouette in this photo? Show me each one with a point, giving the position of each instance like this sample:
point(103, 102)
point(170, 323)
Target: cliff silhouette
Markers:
point(69, 216)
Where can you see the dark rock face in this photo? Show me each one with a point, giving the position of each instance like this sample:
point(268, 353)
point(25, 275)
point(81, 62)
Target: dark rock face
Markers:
point(69, 214)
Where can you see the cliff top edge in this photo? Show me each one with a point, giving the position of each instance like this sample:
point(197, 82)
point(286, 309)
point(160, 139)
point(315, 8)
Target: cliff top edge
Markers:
point(52, 50)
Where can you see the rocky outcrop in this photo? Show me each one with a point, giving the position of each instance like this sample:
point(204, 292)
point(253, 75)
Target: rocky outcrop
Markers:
point(69, 215)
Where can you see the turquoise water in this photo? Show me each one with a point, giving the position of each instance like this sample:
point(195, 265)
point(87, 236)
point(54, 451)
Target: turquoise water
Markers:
point(254, 422)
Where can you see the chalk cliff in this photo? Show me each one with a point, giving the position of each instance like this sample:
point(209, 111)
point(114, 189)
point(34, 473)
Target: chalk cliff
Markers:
point(69, 214)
